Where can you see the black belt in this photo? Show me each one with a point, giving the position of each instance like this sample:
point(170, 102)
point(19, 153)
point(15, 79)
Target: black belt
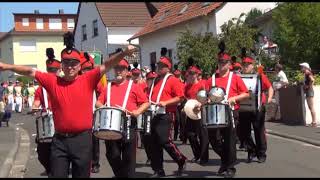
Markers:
point(67, 135)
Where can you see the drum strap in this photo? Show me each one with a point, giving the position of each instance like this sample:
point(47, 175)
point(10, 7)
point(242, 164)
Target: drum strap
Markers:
point(45, 98)
point(94, 100)
point(161, 88)
point(126, 97)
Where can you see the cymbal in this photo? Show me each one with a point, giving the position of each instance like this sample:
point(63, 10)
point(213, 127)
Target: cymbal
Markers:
point(188, 109)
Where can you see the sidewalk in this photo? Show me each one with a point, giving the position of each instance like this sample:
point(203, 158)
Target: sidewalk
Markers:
point(9, 144)
point(305, 134)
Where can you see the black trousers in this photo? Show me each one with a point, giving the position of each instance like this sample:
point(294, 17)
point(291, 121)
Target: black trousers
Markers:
point(121, 155)
point(183, 122)
point(147, 141)
point(223, 142)
point(76, 149)
point(95, 151)
point(160, 136)
point(43, 150)
point(258, 123)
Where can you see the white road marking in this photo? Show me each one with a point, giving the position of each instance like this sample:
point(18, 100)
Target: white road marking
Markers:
point(33, 135)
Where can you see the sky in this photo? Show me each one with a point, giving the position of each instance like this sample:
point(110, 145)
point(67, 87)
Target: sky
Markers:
point(6, 10)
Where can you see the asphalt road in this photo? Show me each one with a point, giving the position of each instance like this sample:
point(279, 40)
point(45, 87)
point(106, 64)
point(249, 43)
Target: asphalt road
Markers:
point(286, 158)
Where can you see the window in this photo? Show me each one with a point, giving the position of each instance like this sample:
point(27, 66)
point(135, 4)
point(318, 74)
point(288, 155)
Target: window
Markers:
point(165, 14)
point(25, 21)
point(205, 4)
point(55, 24)
point(28, 46)
point(84, 32)
point(39, 24)
point(95, 28)
point(70, 23)
point(153, 58)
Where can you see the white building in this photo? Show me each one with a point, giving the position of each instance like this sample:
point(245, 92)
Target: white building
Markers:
point(163, 29)
point(107, 26)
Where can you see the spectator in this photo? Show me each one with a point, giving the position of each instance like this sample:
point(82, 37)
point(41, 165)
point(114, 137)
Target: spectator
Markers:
point(281, 81)
point(308, 90)
point(2, 103)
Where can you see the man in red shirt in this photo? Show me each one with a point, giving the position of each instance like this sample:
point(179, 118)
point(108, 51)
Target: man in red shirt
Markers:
point(257, 119)
point(43, 148)
point(87, 64)
point(226, 148)
point(137, 103)
point(164, 92)
point(71, 99)
point(194, 128)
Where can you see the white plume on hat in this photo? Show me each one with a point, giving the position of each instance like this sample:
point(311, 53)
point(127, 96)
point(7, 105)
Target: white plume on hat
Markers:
point(306, 65)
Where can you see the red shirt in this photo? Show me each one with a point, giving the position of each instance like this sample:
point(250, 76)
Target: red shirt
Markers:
point(118, 91)
point(38, 96)
point(237, 86)
point(143, 86)
point(71, 101)
point(173, 88)
point(264, 87)
point(191, 90)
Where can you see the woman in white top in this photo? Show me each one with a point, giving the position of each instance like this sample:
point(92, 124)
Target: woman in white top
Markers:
point(280, 82)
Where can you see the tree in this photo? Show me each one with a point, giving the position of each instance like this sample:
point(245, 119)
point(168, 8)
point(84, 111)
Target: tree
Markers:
point(236, 35)
point(202, 48)
point(297, 33)
point(252, 14)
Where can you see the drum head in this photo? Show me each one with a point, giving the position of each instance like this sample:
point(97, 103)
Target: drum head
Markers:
point(108, 135)
point(188, 109)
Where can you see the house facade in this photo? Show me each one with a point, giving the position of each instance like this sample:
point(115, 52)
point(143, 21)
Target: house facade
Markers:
point(26, 43)
point(106, 26)
point(164, 28)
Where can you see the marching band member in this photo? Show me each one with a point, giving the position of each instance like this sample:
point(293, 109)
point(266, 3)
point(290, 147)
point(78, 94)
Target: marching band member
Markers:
point(226, 147)
point(146, 138)
point(137, 79)
point(87, 64)
point(163, 93)
point(194, 127)
point(43, 148)
point(259, 149)
point(30, 94)
point(176, 117)
point(121, 154)
point(72, 142)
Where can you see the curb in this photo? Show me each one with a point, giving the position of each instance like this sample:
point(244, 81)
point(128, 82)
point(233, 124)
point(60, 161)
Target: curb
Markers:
point(8, 163)
point(288, 136)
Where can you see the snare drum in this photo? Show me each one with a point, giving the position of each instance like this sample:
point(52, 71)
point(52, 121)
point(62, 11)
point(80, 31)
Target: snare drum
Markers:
point(45, 128)
point(215, 115)
point(109, 123)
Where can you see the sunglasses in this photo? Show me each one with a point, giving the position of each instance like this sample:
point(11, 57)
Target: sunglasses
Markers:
point(70, 63)
point(52, 70)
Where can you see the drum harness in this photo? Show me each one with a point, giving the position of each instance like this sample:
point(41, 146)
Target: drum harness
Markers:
point(124, 104)
point(225, 101)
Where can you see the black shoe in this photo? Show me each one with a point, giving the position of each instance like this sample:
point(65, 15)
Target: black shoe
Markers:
point(251, 156)
point(230, 172)
point(158, 174)
point(203, 162)
point(95, 169)
point(182, 166)
point(148, 162)
point(221, 171)
point(262, 159)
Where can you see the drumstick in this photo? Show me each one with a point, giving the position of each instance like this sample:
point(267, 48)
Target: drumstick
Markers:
point(123, 109)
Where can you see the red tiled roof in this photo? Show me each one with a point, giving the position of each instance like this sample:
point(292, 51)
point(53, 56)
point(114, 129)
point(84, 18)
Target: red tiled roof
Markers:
point(124, 14)
point(173, 16)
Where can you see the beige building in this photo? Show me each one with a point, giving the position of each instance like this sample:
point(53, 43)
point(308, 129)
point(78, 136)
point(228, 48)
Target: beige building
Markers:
point(26, 43)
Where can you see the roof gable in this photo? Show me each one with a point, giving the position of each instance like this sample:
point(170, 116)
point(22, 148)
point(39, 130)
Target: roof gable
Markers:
point(177, 12)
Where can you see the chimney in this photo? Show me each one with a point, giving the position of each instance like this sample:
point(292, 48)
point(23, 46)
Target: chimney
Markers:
point(61, 11)
point(36, 11)
point(151, 9)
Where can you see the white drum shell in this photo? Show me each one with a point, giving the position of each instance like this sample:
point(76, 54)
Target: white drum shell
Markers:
point(109, 123)
point(45, 128)
point(215, 115)
point(147, 117)
point(253, 84)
